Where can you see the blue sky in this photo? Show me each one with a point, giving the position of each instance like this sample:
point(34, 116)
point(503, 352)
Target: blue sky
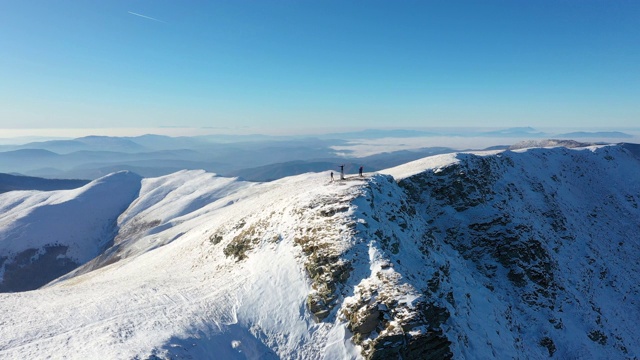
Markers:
point(319, 64)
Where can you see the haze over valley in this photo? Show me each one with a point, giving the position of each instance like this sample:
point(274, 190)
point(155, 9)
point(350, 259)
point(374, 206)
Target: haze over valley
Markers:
point(260, 157)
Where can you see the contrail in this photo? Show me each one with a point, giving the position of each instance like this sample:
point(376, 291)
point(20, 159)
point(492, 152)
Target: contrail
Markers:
point(146, 17)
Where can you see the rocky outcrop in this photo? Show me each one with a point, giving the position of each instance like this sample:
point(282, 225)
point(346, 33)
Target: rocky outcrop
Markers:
point(388, 314)
point(388, 328)
point(324, 251)
point(529, 224)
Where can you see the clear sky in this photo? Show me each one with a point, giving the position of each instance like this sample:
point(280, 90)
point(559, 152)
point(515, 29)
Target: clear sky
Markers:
point(291, 64)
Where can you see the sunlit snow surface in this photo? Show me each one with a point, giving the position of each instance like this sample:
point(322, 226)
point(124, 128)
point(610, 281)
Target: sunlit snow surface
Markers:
point(167, 288)
point(185, 296)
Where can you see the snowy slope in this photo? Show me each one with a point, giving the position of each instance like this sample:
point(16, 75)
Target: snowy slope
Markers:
point(189, 291)
point(45, 234)
point(521, 254)
point(166, 208)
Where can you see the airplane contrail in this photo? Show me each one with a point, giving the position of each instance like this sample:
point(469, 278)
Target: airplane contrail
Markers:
point(144, 16)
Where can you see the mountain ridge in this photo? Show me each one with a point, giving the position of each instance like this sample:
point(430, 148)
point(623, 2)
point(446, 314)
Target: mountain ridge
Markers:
point(411, 263)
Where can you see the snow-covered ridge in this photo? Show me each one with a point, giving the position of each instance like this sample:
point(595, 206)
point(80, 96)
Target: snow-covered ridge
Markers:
point(440, 161)
point(524, 254)
point(44, 234)
point(430, 163)
point(541, 247)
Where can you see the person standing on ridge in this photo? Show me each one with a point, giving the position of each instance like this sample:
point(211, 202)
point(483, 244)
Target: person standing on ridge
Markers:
point(342, 172)
point(360, 171)
point(332, 176)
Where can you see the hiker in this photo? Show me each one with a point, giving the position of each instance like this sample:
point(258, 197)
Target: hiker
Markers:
point(341, 172)
point(332, 176)
point(360, 171)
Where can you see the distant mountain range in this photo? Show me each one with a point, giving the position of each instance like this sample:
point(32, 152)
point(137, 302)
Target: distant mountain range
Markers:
point(10, 182)
point(252, 157)
point(599, 134)
point(153, 155)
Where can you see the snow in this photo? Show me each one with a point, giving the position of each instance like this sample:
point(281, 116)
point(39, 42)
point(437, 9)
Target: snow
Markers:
point(430, 163)
point(172, 289)
point(172, 205)
point(81, 218)
point(187, 291)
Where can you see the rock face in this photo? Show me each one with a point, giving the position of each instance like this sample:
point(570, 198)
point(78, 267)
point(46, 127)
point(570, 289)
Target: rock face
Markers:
point(549, 234)
point(391, 315)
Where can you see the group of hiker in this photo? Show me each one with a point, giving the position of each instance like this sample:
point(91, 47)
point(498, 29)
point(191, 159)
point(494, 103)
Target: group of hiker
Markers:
point(342, 172)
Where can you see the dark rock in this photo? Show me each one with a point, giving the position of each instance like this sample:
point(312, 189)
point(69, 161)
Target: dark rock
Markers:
point(430, 346)
point(387, 347)
point(548, 343)
point(370, 322)
point(317, 307)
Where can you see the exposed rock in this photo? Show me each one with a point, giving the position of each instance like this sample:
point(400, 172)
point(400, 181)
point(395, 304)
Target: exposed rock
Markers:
point(548, 343)
point(324, 257)
point(368, 322)
point(430, 346)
